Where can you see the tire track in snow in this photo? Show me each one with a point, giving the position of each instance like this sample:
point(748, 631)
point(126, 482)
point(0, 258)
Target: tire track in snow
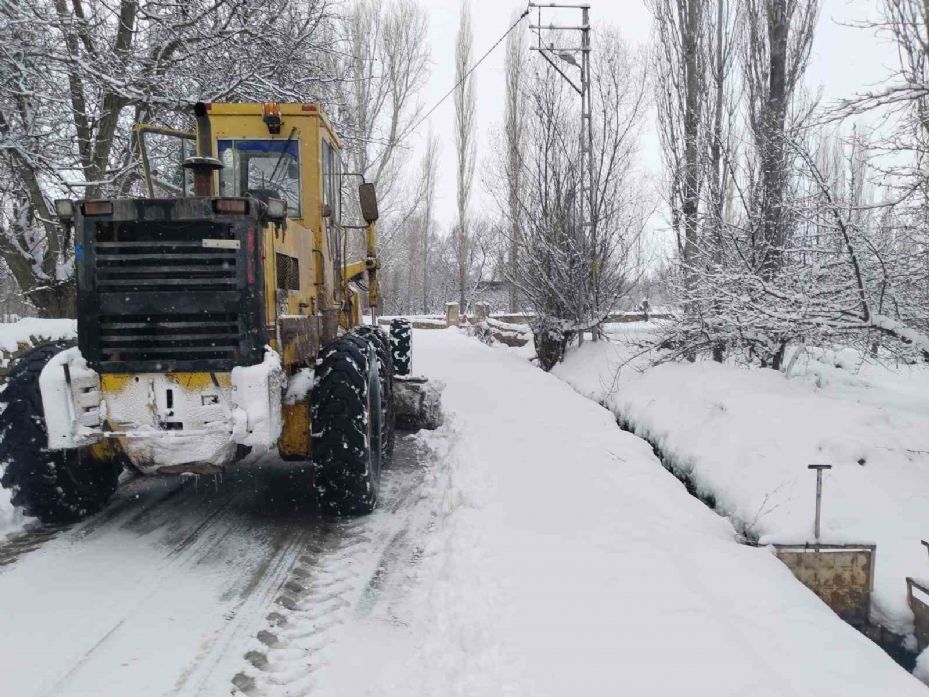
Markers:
point(30, 539)
point(35, 534)
point(231, 543)
point(342, 574)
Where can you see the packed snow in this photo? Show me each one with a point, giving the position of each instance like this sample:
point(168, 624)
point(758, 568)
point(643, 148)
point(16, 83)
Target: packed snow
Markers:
point(256, 394)
point(746, 436)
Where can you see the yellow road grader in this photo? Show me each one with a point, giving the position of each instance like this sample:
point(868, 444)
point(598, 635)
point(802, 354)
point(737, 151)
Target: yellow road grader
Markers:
point(221, 320)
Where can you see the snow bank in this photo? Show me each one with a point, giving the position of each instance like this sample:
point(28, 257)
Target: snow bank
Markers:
point(11, 519)
point(32, 330)
point(564, 560)
point(747, 436)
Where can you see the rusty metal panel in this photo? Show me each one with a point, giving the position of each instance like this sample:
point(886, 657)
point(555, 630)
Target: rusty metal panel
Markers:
point(299, 339)
point(917, 596)
point(841, 575)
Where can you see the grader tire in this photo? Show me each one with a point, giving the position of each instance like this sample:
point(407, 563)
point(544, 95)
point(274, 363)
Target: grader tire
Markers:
point(401, 344)
point(385, 369)
point(346, 414)
point(56, 486)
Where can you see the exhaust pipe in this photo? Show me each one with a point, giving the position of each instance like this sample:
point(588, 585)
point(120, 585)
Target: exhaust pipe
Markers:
point(204, 163)
point(204, 130)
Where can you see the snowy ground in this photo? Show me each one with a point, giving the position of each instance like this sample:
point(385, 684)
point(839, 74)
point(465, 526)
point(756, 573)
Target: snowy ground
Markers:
point(747, 436)
point(530, 548)
point(567, 561)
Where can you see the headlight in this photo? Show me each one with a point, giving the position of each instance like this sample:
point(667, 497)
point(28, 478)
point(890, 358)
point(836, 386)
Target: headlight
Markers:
point(64, 208)
point(277, 209)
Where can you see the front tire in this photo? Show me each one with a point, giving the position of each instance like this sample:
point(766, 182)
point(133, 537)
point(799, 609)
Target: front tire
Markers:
point(56, 486)
point(346, 423)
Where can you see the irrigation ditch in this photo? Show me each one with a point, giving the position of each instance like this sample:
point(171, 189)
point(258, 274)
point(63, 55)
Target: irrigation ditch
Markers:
point(894, 645)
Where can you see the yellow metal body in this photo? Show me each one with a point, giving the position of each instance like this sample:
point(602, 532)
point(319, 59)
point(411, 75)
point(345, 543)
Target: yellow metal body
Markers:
point(305, 238)
point(295, 441)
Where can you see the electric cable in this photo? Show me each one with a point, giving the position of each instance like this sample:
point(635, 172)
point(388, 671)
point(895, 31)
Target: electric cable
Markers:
point(458, 84)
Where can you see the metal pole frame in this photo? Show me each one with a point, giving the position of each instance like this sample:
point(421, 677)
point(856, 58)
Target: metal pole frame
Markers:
point(588, 197)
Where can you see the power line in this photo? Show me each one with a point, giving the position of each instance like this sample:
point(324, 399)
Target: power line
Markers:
point(468, 74)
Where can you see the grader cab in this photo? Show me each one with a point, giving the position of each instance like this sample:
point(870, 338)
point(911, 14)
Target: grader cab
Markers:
point(217, 316)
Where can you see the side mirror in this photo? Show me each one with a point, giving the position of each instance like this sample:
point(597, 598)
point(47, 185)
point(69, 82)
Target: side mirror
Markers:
point(368, 198)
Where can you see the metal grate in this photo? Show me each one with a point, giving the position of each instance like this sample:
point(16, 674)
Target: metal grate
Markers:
point(288, 272)
point(171, 256)
point(137, 259)
point(169, 337)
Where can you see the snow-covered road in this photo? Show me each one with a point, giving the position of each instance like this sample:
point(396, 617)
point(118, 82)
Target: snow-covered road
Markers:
point(568, 561)
point(166, 591)
point(528, 547)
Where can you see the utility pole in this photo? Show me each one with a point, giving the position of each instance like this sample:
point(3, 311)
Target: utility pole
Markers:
point(566, 52)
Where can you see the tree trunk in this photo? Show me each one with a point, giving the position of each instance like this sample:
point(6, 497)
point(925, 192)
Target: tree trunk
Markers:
point(773, 174)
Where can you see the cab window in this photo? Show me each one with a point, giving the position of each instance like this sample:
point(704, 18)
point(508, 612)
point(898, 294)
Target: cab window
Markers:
point(262, 168)
point(332, 181)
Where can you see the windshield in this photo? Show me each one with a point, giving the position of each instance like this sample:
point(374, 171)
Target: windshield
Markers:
point(163, 151)
point(263, 168)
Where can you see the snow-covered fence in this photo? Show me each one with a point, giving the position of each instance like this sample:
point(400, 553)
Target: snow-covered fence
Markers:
point(519, 319)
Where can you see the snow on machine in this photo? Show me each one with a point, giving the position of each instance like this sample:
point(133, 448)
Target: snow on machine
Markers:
point(221, 320)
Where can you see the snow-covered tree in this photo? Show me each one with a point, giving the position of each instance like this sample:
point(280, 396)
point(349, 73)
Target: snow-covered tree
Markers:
point(75, 76)
point(571, 274)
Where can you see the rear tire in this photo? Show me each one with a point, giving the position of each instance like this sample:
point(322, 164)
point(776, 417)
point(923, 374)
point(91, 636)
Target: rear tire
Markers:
point(346, 415)
point(401, 344)
point(56, 486)
point(385, 370)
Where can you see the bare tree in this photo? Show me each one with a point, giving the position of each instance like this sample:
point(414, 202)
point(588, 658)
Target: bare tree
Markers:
point(721, 111)
point(681, 63)
point(465, 143)
point(382, 64)
point(749, 214)
point(428, 169)
point(776, 50)
point(570, 276)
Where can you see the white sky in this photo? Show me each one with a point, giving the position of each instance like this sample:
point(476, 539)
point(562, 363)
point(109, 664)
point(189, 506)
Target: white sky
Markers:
point(845, 59)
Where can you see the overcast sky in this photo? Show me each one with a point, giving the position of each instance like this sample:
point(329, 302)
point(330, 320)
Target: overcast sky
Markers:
point(845, 59)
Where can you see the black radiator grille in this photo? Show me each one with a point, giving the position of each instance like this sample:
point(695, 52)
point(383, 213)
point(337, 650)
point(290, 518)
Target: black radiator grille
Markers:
point(169, 337)
point(168, 282)
point(147, 257)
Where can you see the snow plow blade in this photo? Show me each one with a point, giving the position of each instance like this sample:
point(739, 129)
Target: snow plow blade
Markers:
point(417, 402)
